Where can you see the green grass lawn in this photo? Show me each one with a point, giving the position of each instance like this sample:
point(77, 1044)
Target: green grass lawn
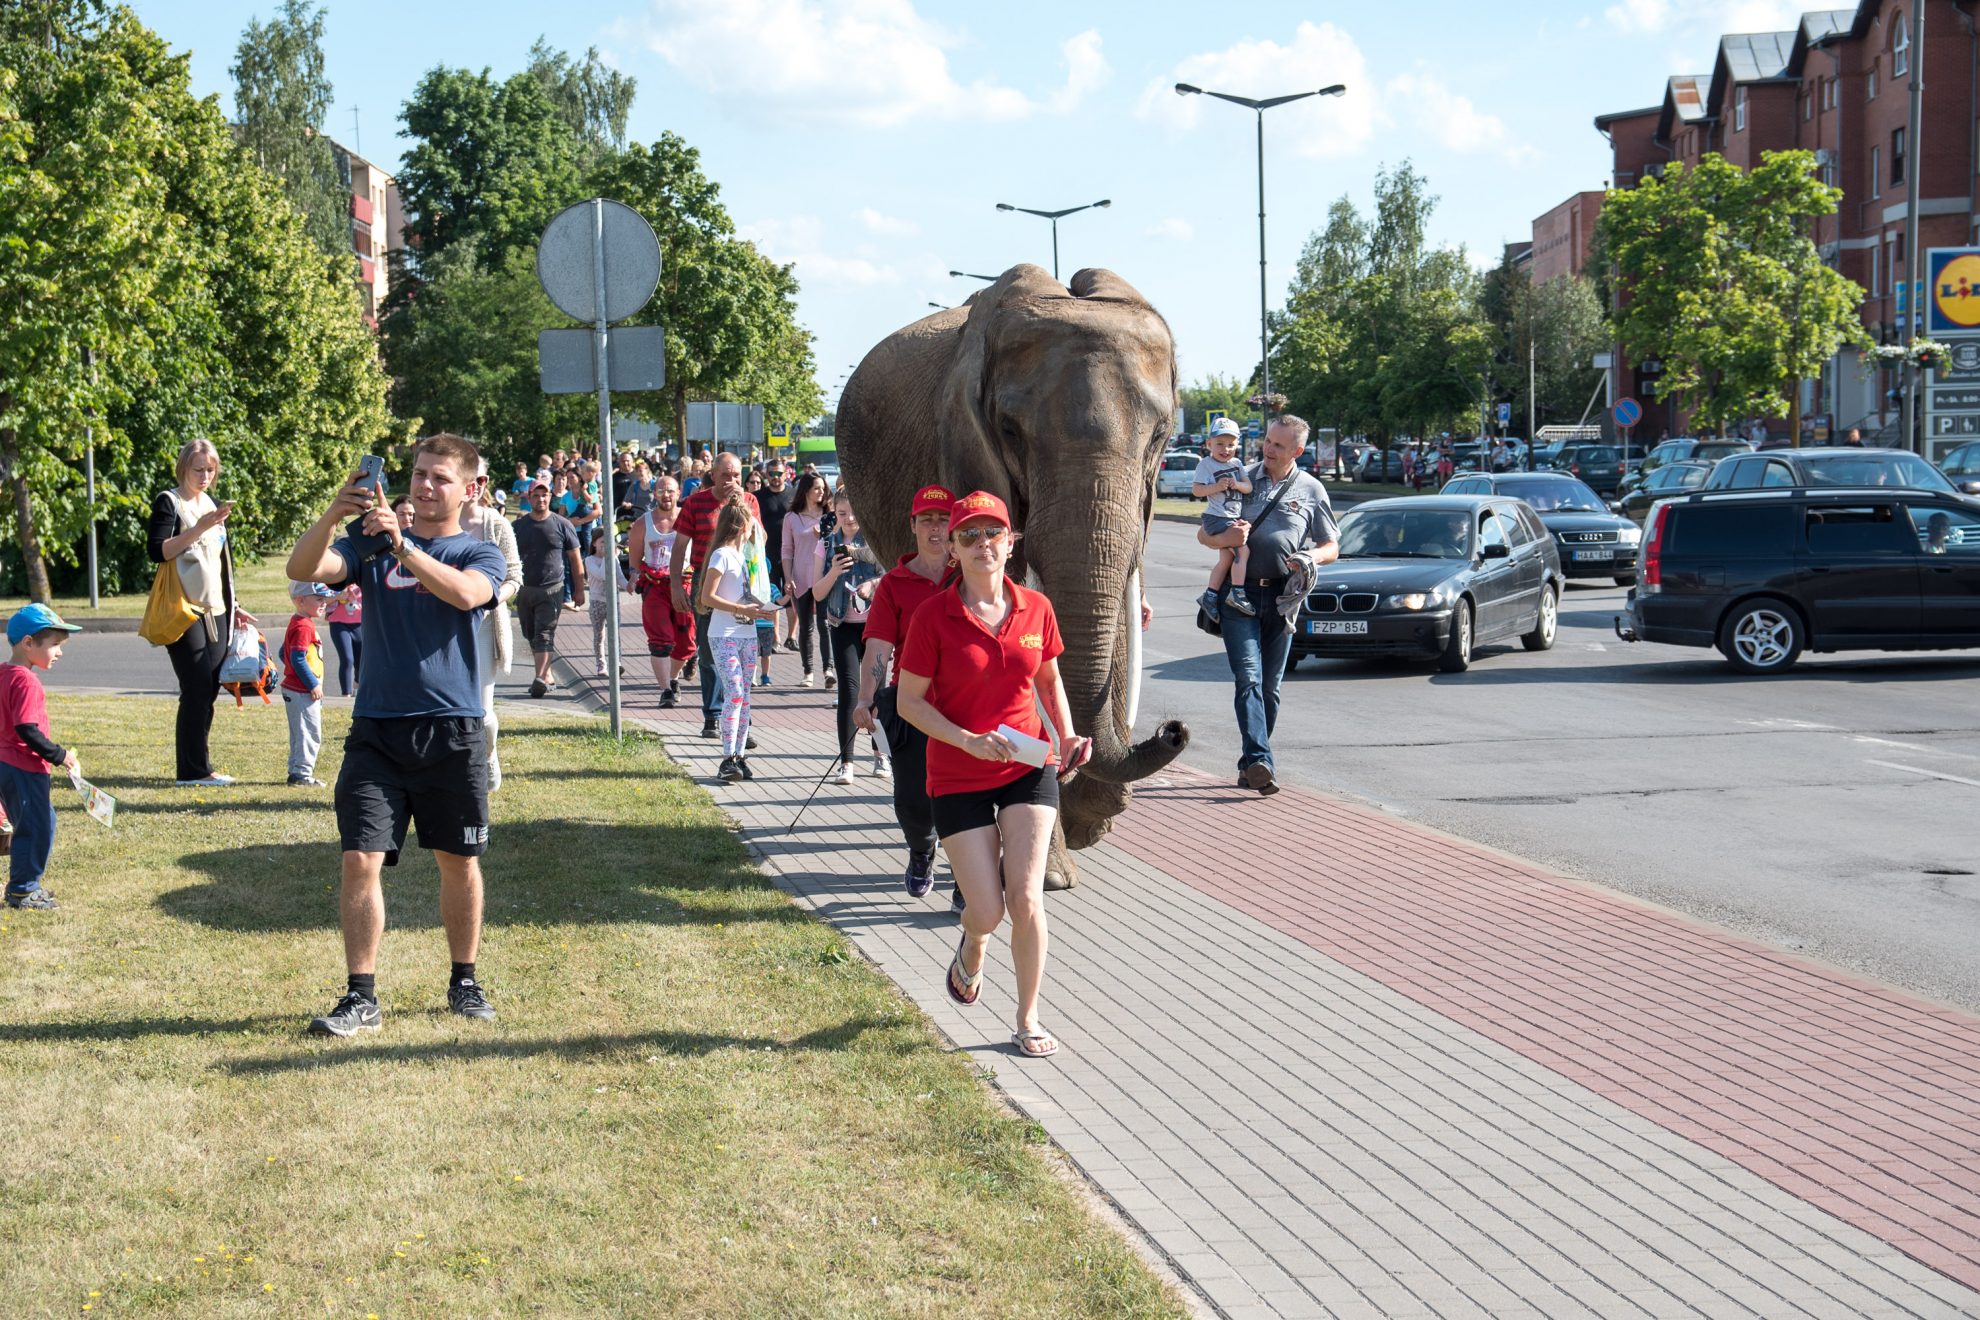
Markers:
point(698, 1101)
point(263, 587)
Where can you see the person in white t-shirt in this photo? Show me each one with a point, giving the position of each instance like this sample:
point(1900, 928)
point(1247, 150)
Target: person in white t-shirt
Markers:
point(1222, 480)
point(733, 609)
point(602, 573)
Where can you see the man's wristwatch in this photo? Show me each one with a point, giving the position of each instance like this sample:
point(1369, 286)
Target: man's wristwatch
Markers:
point(402, 549)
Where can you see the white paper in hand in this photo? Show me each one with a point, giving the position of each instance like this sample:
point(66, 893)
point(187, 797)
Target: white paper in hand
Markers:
point(1030, 750)
point(99, 804)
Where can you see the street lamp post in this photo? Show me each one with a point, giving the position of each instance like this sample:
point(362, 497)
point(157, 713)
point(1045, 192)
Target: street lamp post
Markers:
point(971, 275)
point(1055, 217)
point(1258, 108)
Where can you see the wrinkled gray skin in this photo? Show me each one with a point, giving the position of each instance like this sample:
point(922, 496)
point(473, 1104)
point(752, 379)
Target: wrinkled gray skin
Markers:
point(1061, 401)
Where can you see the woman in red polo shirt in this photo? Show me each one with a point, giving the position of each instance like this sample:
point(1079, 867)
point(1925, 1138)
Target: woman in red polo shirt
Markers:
point(980, 658)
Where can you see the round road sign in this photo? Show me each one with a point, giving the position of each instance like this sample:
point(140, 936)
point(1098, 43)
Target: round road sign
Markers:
point(566, 264)
point(1627, 412)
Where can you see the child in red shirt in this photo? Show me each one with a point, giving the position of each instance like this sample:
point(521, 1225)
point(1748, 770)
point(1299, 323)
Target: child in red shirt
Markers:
point(36, 634)
point(302, 681)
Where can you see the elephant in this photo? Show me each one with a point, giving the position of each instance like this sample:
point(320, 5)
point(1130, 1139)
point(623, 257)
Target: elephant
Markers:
point(1060, 400)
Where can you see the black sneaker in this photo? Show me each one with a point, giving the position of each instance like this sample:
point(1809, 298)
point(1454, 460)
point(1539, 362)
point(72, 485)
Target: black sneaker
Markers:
point(304, 781)
point(956, 903)
point(668, 698)
point(730, 772)
point(537, 688)
point(466, 999)
point(920, 874)
point(708, 729)
point(353, 1013)
point(749, 742)
point(742, 764)
point(34, 900)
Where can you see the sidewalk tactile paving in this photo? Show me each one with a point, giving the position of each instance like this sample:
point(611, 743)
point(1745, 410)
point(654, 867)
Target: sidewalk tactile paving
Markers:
point(1339, 1089)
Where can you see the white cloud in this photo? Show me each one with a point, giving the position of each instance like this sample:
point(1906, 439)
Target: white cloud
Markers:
point(1705, 17)
point(891, 226)
point(1318, 56)
point(800, 240)
point(1450, 119)
point(876, 63)
point(1173, 227)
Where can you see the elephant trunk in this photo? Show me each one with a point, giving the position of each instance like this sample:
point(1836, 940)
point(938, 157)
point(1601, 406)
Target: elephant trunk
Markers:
point(1089, 582)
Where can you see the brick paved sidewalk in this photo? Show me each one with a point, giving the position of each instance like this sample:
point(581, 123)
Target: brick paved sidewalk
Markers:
point(1371, 1070)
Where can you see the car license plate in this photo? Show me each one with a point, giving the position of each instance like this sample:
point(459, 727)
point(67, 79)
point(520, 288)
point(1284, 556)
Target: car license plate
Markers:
point(1594, 554)
point(1323, 627)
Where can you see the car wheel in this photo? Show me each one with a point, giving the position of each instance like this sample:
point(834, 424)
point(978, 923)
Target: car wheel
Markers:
point(1457, 651)
point(1761, 637)
point(1549, 622)
point(1625, 579)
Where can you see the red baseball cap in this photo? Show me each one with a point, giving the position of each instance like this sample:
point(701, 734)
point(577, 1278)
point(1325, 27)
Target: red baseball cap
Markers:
point(932, 499)
point(978, 504)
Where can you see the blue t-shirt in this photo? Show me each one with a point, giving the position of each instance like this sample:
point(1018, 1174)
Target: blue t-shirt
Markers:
point(420, 650)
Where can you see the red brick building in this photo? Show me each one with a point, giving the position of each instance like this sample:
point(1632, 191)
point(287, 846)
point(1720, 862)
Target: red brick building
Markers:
point(1836, 85)
point(1561, 238)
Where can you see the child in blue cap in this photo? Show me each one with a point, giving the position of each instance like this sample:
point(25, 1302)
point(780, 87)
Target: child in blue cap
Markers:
point(36, 634)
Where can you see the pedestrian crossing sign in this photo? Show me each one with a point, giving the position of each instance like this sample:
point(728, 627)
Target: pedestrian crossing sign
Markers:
point(780, 435)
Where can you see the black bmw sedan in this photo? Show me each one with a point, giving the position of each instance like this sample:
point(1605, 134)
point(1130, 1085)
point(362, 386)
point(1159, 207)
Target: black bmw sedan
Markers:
point(1433, 578)
point(1594, 543)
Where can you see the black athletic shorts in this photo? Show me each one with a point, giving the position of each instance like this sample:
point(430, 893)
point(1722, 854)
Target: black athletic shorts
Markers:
point(427, 771)
point(956, 812)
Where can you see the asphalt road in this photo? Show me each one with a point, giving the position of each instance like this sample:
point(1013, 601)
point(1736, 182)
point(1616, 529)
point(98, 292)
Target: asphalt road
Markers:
point(1834, 810)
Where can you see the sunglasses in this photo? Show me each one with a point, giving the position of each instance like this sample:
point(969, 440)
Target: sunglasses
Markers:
point(969, 536)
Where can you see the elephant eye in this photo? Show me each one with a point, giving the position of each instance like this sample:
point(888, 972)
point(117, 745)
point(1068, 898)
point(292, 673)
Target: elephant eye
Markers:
point(1008, 429)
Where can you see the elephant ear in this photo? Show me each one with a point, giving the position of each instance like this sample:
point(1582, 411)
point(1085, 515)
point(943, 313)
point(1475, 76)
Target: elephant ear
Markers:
point(973, 455)
point(1094, 282)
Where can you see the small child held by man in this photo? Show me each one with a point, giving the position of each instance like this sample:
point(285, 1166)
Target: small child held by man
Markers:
point(1220, 478)
point(302, 680)
point(27, 750)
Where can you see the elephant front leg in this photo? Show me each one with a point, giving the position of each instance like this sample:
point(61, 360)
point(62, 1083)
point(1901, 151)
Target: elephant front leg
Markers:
point(1060, 870)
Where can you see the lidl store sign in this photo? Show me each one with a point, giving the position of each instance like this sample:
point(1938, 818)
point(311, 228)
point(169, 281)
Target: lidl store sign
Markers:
point(1953, 275)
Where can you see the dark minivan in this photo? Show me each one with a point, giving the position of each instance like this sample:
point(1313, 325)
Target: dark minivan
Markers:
point(1765, 575)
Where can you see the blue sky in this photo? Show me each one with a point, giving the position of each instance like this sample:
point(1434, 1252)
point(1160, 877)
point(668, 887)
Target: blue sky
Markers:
point(868, 141)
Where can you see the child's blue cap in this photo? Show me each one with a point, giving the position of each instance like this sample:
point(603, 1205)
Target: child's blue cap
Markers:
point(31, 619)
point(298, 590)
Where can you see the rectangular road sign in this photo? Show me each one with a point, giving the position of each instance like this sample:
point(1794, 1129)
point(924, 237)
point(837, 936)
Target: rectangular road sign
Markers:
point(636, 355)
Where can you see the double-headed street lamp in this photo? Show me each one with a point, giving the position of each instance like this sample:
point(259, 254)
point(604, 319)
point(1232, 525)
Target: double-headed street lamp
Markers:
point(1054, 217)
point(971, 275)
point(1259, 108)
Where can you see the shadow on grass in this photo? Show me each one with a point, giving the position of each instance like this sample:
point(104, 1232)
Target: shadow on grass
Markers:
point(545, 871)
point(686, 1044)
point(104, 1029)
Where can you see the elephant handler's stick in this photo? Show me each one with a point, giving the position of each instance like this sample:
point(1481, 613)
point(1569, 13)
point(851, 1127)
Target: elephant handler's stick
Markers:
point(792, 827)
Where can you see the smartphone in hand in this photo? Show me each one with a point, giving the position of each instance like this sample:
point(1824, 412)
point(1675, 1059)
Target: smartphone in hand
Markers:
point(369, 545)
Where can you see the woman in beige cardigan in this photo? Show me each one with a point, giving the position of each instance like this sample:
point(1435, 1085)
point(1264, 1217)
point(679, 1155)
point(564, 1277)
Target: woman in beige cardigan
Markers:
point(492, 642)
point(187, 529)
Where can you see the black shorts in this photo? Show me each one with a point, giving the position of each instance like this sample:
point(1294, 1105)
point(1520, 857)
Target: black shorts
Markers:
point(956, 812)
point(429, 771)
point(538, 609)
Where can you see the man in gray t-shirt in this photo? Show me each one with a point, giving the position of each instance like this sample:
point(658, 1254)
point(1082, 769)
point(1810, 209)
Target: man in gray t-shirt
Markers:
point(548, 547)
point(1257, 647)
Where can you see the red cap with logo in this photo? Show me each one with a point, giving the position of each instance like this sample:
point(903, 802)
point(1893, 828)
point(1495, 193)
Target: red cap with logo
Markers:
point(931, 499)
point(978, 504)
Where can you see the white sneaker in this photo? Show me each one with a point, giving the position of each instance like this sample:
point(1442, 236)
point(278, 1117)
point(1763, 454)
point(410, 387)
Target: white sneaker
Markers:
point(831, 679)
point(842, 773)
point(805, 681)
point(883, 768)
point(214, 780)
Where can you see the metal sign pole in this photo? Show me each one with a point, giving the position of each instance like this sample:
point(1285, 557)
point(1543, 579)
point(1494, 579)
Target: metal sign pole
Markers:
point(89, 479)
point(608, 509)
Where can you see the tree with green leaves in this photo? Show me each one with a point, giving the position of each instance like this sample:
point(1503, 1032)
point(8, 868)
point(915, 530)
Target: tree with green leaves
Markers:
point(141, 234)
point(594, 99)
point(282, 99)
point(1722, 282)
point(1215, 393)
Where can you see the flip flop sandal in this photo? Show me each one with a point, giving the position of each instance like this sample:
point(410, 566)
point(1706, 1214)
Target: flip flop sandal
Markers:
point(971, 986)
point(1035, 1044)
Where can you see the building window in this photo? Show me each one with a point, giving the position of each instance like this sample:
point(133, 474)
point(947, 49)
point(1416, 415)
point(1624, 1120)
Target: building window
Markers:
point(1876, 280)
point(1900, 48)
point(1876, 174)
point(1807, 106)
point(1739, 110)
point(1870, 82)
point(1897, 156)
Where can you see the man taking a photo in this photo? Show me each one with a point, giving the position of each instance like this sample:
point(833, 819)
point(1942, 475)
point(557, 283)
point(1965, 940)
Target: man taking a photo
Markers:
point(1286, 512)
point(414, 753)
point(551, 556)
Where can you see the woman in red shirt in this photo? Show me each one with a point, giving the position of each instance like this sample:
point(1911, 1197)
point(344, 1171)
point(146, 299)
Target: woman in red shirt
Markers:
point(980, 658)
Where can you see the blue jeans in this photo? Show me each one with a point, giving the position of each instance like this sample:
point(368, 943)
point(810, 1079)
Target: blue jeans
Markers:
point(711, 682)
point(1257, 650)
point(24, 793)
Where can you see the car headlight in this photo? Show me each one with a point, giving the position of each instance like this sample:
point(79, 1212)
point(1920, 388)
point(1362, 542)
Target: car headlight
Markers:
point(1412, 600)
point(1629, 536)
